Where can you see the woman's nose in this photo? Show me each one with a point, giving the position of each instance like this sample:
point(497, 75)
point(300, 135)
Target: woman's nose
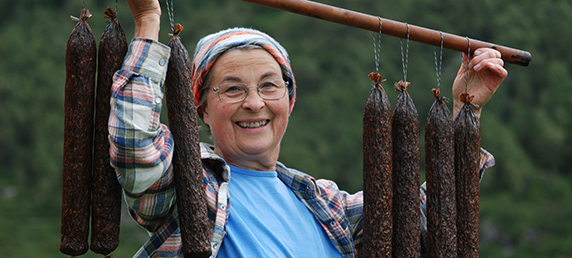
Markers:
point(253, 101)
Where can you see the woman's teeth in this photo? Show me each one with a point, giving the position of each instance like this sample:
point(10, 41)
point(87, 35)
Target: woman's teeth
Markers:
point(252, 124)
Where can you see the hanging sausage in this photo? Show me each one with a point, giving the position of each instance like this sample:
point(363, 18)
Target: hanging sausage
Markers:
point(78, 136)
point(377, 179)
point(467, 173)
point(406, 169)
point(106, 207)
point(187, 165)
point(406, 176)
point(440, 175)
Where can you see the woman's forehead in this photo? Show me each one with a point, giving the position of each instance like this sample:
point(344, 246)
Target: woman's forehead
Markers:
point(241, 65)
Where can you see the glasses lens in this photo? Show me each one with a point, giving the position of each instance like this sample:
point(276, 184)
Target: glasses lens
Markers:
point(232, 92)
point(271, 90)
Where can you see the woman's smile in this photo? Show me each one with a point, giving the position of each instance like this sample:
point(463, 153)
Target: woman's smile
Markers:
point(251, 125)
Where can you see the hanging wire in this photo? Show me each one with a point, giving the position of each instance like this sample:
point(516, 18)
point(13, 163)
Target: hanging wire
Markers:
point(466, 65)
point(84, 14)
point(406, 60)
point(171, 15)
point(375, 77)
point(375, 54)
point(438, 65)
point(377, 48)
point(83, 11)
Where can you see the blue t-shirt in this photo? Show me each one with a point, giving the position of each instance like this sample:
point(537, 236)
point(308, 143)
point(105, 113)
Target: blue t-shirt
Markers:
point(267, 220)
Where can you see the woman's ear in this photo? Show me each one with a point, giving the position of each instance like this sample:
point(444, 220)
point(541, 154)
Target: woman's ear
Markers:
point(205, 110)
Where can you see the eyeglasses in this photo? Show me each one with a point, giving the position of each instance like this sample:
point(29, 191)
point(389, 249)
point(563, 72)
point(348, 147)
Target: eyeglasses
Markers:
point(235, 92)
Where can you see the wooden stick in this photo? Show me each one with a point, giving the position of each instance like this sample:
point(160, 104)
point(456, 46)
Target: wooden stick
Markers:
point(392, 28)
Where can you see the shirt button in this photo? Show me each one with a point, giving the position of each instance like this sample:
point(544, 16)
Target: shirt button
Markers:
point(157, 100)
point(162, 62)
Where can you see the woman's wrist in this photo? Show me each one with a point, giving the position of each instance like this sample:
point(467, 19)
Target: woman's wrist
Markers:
point(148, 27)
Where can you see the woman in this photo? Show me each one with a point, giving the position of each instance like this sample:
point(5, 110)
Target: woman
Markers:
point(245, 91)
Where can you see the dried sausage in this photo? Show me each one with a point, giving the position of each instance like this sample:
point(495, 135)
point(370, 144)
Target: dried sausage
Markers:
point(440, 176)
point(467, 173)
point(406, 176)
point(106, 206)
point(78, 136)
point(187, 165)
point(377, 180)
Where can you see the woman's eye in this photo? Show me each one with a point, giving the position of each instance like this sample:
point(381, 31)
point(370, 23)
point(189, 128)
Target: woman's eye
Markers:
point(268, 85)
point(233, 89)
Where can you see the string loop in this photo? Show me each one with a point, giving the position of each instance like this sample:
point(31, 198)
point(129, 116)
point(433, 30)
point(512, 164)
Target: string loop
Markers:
point(438, 66)
point(405, 61)
point(171, 15)
point(466, 64)
point(375, 77)
point(465, 97)
point(377, 47)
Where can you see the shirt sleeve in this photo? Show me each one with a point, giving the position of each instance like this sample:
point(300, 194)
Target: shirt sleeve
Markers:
point(141, 147)
point(354, 213)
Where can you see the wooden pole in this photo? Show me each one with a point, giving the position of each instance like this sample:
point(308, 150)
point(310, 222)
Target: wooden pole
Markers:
point(392, 28)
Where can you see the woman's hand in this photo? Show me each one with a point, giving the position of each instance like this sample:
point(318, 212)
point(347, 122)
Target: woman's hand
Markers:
point(146, 14)
point(485, 75)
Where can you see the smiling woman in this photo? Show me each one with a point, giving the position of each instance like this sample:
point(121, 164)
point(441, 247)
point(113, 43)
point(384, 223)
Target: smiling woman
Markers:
point(247, 133)
point(239, 80)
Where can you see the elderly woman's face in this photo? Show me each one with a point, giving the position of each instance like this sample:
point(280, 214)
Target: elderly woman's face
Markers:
point(247, 134)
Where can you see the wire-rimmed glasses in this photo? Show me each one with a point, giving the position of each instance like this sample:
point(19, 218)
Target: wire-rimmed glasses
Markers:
point(235, 92)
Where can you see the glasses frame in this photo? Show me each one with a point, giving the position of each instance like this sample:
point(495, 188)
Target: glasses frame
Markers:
point(246, 87)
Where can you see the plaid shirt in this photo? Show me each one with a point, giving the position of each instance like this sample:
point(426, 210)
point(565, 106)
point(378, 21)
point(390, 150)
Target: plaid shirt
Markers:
point(141, 152)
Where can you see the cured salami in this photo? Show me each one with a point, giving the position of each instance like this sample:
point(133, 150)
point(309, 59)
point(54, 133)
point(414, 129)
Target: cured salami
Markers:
point(406, 176)
point(377, 179)
point(440, 175)
point(187, 165)
point(78, 135)
point(106, 207)
point(467, 173)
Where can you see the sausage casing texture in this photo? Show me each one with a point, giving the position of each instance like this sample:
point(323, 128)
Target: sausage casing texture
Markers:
point(440, 176)
point(406, 176)
point(187, 165)
point(106, 206)
point(377, 179)
point(467, 173)
point(81, 57)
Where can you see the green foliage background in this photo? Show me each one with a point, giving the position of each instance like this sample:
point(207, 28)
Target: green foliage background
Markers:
point(526, 199)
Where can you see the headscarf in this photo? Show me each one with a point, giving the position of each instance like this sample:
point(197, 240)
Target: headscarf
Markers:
point(211, 47)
